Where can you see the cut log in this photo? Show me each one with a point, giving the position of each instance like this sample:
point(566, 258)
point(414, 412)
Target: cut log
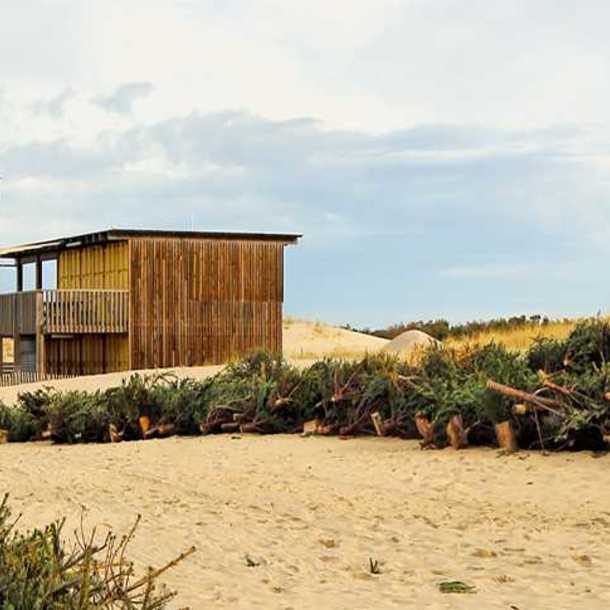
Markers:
point(144, 423)
point(521, 409)
point(160, 431)
point(456, 434)
point(113, 433)
point(230, 427)
point(327, 430)
point(166, 430)
point(378, 423)
point(312, 426)
point(424, 427)
point(505, 436)
point(543, 403)
point(250, 428)
point(607, 396)
point(3, 437)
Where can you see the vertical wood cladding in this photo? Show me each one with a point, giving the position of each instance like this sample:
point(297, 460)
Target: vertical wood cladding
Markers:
point(104, 267)
point(95, 267)
point(200, 301)
point(87, 354)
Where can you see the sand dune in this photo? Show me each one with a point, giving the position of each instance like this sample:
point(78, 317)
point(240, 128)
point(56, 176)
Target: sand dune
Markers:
point(528, 531)
point(309, 340)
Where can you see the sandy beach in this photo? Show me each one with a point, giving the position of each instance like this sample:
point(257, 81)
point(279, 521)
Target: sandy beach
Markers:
point(528, 531)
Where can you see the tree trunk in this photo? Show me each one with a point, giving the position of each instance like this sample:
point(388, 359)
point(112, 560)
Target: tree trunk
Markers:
point(144, 422)
point(312, 426)
point(506, 436)
point(113, 433)
point(249, 428)
point(424, 427)
point(230, 427)
point(455, 433)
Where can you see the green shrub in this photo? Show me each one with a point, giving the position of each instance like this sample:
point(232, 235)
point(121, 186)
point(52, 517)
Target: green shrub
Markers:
point(588, 345)
point(76, 417)
point(546, 355)
point(40, 571)
point(183, 403)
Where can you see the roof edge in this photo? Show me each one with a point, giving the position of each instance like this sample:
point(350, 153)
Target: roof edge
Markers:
point(116, 234)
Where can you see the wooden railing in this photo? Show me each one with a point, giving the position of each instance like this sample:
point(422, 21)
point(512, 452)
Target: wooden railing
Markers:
point(85, 311)
point(64, 312)
point(18, 313)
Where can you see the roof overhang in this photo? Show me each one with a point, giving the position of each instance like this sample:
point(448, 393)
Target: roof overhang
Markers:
point(45, 250)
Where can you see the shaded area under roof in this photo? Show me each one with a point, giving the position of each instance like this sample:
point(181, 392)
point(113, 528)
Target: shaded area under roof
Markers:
point(53, 246)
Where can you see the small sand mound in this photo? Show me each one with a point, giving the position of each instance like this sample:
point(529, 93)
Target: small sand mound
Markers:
point(314, 340)
point(406, 343)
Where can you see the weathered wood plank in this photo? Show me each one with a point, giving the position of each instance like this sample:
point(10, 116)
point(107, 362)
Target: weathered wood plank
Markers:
point(203, 300)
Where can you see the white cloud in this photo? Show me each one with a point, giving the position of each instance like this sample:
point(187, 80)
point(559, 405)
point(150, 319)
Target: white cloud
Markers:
point(56, 106)
point(366, 64)
point(123, 99)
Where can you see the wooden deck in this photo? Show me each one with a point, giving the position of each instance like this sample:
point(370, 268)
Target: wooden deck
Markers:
point(60, 312)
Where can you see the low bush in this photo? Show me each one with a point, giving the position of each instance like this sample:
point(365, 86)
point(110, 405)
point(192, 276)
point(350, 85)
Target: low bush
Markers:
point(39, 570)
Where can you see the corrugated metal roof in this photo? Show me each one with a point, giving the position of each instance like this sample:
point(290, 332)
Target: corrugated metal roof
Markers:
point(100, 237)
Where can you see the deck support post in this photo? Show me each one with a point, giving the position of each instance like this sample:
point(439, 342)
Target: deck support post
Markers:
point(38, 273)
point(41, 357)
point(19, 266)
point(17, 330)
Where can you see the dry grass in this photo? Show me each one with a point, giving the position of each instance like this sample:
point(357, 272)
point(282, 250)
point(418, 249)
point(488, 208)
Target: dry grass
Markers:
point(518, 339)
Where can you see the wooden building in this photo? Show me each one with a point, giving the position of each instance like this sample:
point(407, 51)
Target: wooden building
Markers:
point(131, 299)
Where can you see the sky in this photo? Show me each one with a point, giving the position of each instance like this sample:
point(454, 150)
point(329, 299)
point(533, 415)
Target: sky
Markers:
point(442, 158)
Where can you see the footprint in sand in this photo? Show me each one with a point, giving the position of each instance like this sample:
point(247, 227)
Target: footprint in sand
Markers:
point(329, 543)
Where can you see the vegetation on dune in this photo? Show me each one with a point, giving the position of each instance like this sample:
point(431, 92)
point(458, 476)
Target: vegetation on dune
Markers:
point(40, 571)
point(555, 395)
point(516, 332)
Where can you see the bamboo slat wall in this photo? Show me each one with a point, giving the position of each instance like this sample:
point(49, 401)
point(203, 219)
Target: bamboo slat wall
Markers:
point(199, 301)
point(87, 355)
point(99, 267)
